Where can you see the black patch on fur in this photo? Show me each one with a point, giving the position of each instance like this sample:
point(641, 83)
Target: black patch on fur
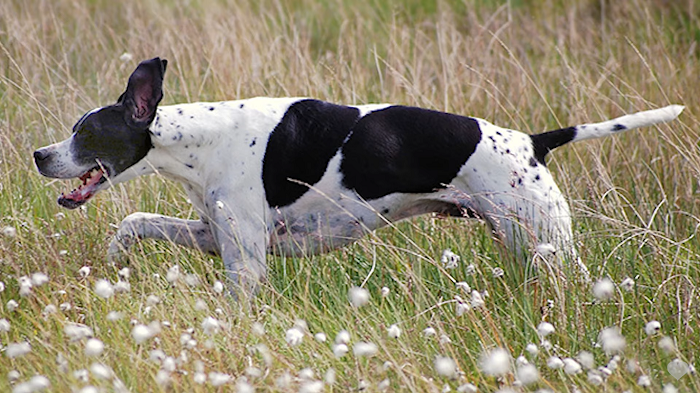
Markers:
point(406, 149)
point(547, 141)
point(300, 147)
point(619, 127)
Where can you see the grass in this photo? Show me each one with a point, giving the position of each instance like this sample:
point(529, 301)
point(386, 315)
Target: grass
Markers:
point(528, 65)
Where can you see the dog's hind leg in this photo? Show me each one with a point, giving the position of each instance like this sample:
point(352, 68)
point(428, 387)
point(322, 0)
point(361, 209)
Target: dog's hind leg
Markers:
point(189, 233)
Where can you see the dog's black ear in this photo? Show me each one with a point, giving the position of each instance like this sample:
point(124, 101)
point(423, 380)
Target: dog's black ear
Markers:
point(144, 92)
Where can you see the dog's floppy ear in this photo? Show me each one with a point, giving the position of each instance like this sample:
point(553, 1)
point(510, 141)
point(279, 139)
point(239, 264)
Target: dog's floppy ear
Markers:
point(144, 92)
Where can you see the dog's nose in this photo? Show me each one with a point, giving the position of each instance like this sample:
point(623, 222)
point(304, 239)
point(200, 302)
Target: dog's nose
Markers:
point(41, 155)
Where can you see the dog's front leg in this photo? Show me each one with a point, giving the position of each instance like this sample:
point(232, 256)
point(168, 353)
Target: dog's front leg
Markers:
point(189, 233)
point(242, 237)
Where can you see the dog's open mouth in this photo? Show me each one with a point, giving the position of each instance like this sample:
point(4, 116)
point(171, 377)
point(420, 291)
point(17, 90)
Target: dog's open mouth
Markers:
point(91, 179)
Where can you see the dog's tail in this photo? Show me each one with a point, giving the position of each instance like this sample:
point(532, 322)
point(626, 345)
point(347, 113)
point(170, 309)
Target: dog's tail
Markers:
point(545, 142)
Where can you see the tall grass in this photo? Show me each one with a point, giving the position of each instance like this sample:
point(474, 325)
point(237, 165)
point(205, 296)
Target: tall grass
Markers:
point(528, 65)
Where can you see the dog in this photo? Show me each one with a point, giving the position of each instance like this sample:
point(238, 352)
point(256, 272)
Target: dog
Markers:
point(300, 176)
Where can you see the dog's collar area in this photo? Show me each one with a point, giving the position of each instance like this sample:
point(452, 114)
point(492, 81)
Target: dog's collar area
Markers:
point(91, 180)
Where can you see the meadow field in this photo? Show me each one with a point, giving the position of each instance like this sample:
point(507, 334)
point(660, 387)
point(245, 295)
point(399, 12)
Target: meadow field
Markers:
point(385, 314)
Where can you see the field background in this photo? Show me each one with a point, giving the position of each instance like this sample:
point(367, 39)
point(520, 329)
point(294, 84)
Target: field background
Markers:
point(525, 64)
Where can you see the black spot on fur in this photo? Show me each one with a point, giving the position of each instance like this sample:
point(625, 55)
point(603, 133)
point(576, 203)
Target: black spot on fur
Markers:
point(548, 141)
point(406, 149)
point(241, 106)
point(300, 147)
point(252, 143)
point(533, 162)
point(619, 127)
point(211, 108)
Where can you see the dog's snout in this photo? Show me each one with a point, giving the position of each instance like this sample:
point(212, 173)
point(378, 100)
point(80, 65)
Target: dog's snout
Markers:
point(41, 155)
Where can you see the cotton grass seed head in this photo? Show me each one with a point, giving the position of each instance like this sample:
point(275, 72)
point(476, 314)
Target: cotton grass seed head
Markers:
point(4, 325)
point(627, 284)
point(104, 289)
point(667, 345)
point(358, 296)
point(294, 336)
point(555, 363)
point(141, 333)
point(394, 331)
point(14, 350)
point(445, 366)
point(94, 347)
point(544, 329)
point(652, 328)
point(611, 340)
point(449, 259)
point(320, 337)
point(39, 279)
point(527, 374)
point(343, 337)
point(532, 349)
point(364, 349)
point(604, 289)
point(571, 366)
point(495, 362)
point(217, 379)
point(340, 350)
point(36, 383)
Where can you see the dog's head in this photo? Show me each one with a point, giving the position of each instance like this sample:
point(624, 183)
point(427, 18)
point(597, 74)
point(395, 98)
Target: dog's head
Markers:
point(109, 140)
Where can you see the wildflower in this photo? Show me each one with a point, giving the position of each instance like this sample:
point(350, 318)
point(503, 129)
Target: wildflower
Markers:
point(13, 350)
point(545, 249)
point(604, 289)
point(343, 337)
point(311, 387)
point(611, 340)
point(4, 325)
point(94, 347)
point(210, 326)
point(35, 384)
point(497, 272)
point(329, 376)
point(218, 379)
point(199, 378)
point(667, 345)
point(544, 329)
point(364, 349)
point(39, 279)
point(101, 371)
point(25, 286)
point(644, 381)
point(445, 366)
point(449, 259)
point(294, 336)
point(495, 362)
point(385, 291)
point(429, 331)
point(84, 271)
point(358, 296)
point(586, 359)
point(140, 333)
point(477, 299)
point(218, 287)
point(527, 374)
point(627, 284)
point(555, 363)
point(173, 274)
point(571, 366)
point(467, 388)
point(532, 349)
point(104, 289)
point(394, 331)
point(652, 328)
point(122, 287)
point(594, 378)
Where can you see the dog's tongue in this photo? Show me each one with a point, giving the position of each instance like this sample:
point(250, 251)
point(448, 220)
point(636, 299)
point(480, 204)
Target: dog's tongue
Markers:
point(84, 192)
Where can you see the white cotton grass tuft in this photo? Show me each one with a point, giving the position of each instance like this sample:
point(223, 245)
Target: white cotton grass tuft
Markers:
point(104, 289)
point(101, 371)
point(36, 383)
point(364, 349)
point(429, 331)
point(320, 337)
point(358, 296)
point(14, 350)
point(141, 333)
point(39, 279)
point(217, 379)
point(343, 337)
point(604, 289)
point(586, 359)
point(545, 249)
point(340, 350)
point(173, 274)
point(94, 347)
point(644, 381)
point(544, 329)
point(394, 331)
point(9, 231)
point(445, 366)
point(571, 366)
point(611, 340)
point(385, 291)
point(211, 326)
point(667, 345)
point(25, 286)
point(218, 287)
point(12, 305)
point(294, 336)
point(527, 374)
point(4, 325)
point(495, 362)
point(449, 259)
point(477, 299)
point(555, 363)
point(84, 271)
point(652, 328)
point(627, 284)
point(467, 388)
point(532, 349)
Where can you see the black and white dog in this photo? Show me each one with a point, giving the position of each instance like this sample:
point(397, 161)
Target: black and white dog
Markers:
point(297, 175)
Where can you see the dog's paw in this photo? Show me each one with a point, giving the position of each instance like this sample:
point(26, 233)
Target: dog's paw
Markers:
point(119, 246)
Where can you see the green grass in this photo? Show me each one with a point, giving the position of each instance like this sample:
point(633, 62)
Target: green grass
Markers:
point(528, 65)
